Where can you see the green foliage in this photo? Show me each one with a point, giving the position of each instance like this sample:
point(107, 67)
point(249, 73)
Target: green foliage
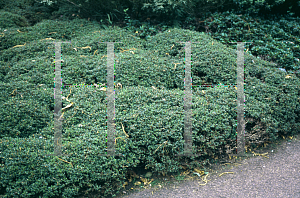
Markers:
point(169, 11)
point(16, 7)
point(38, 33)
point(48, 2)
point(144, 30)
point(279, 38)
point(32, 10)
point(22, 4)
point(24, 110)
point(153, 118)
point(95, 9)
point(49, 176)
point(9, 20)
point(251, 6)
point(166, 7)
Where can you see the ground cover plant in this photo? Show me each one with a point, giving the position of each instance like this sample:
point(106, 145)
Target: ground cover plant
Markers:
point(150, 116)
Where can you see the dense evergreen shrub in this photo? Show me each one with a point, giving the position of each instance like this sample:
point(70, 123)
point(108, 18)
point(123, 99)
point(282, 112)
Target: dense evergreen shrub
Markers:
point(24, 109)
point(10, 20)
point(149, 109)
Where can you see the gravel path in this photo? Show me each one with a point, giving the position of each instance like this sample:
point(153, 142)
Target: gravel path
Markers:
point(256, 176)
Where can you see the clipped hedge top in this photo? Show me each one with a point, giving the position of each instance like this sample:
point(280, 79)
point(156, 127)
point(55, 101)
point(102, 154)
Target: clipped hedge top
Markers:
point(158, 62)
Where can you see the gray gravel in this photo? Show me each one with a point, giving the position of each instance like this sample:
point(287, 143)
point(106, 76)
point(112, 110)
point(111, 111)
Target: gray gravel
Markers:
point(258, 176)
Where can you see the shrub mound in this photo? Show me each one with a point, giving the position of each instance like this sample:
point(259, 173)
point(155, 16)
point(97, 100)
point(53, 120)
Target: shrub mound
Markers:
point(149, 108)
point(11, 20)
